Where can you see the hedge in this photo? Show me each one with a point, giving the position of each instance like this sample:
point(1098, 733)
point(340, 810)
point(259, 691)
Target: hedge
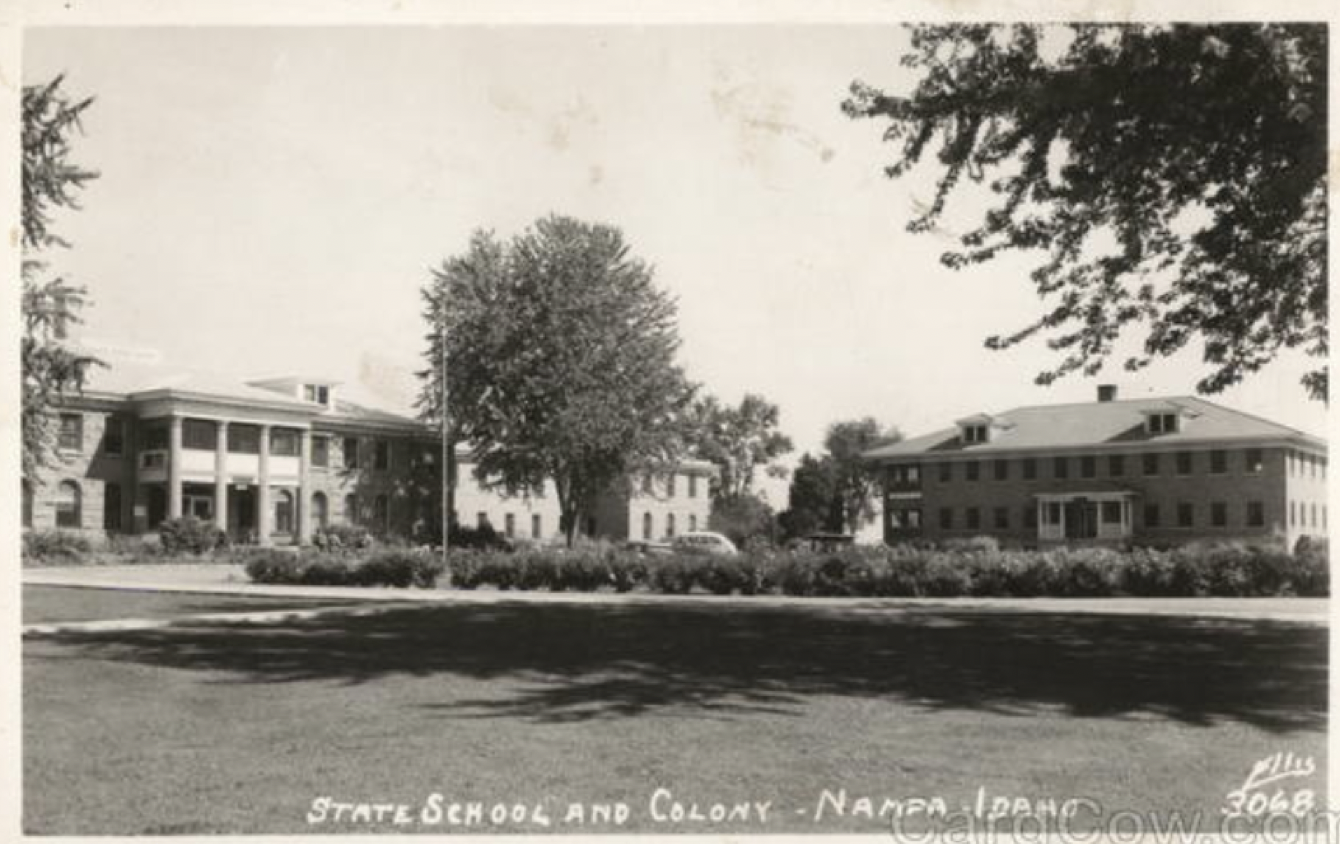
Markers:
point(1227, 569)
point(393, 567)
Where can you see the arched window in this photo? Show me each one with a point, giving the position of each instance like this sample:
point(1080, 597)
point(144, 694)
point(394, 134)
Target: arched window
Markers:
point(69, 505)
point(646, 526)
point(381, 513)
point(670, 526)
point(320, 510)
point(284, 511)
point(27, 504)
point(693, 521)
point(351, 509)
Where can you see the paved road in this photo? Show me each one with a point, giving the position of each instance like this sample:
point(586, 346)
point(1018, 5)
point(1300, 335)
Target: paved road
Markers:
point(232, 580)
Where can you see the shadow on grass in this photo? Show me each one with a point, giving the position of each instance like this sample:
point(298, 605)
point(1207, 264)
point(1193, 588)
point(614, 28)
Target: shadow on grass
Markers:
point(560, 663)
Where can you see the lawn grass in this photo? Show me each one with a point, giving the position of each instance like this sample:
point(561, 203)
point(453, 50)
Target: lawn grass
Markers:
point(238, 728)
point(58, 604)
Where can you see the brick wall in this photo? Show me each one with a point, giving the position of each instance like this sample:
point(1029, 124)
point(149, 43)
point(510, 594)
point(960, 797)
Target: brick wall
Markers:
point(1235, 488)
point(91, 469)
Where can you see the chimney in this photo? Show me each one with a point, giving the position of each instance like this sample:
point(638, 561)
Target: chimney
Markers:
point(1107, 392)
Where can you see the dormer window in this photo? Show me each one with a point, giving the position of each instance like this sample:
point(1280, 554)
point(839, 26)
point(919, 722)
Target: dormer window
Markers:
point(318, 393)
point(1163, 423)
point(973, 434)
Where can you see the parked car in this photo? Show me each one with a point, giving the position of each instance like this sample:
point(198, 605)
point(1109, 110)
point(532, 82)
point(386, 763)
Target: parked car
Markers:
point(704, 542)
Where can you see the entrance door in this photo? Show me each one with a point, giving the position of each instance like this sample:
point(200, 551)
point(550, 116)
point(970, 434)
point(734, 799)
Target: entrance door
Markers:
point(241, 513)
point(1081, 519)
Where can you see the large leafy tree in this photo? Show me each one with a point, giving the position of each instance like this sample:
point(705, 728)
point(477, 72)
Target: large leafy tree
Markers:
point(741, 440)
point(1171, 178)
point(856, 480)
point(51, 369)
point(813, 503)
point(561, 362)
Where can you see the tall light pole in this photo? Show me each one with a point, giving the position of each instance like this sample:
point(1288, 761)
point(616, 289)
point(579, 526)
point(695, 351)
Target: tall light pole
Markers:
point(446, 427)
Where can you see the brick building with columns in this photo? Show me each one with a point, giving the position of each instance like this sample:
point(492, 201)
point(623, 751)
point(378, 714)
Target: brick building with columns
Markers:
point(272, 460)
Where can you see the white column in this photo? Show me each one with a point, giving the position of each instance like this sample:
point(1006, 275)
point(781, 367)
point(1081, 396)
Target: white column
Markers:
point(221, 475)
point(265, 512)
point(304, 502)
point(174, 467)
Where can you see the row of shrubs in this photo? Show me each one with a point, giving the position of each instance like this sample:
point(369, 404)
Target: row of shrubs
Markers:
point(1221, 570)
point(396, 567)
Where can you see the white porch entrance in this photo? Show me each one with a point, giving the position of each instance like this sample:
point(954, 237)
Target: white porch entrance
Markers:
point(1079, 516)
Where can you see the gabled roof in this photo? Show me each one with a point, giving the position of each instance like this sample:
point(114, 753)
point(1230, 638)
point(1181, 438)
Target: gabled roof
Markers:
point(1096, 424)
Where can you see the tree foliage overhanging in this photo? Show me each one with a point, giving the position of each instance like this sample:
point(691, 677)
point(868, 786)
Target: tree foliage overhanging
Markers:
point(51, 369)
point(561, 365)
point(1198, 152)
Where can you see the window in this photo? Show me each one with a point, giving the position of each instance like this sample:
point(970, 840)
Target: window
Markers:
point(114, 437)
point(199, 434)
point(71, 432)
point(1151, 515)
point(1030, 468)
point(972, 469)
point(946, 472)
point(1256, 514)
point(904, 475)
point(1111, 512)
point(1293, 514)
point(27, 504)
point(321, 452)
point(1002, 469)
point(1254, 461)
point(1116, 465)
point(1314, 522)
point(509, 526)
point(670, 486)
point(283, 511)
point(1088, 466)
point(382, 455)
point(1162, 423)
point(1002, 518)
point(536, 526)
point(1218, 462)
point(284, 442)
point(590, 525)
point(381, 513)
point(1151, 464)
point(244, 439)
point(351, 509)
point(111, 507)
point(1186, 514)
point(1183, 462)
point(1060, 468)
point(669, 526)
point(481, 520)
point(647, 526)
point(68, 505)
point(693, 521)
point(946, 518)
point(1030, 517)
point(1053, 512)
point(318, 393)
point(1218, 514)
point(647, 485)
point(693, 486)
point(320, 510)
point(351, 452)
point(974, 518)
point(974, 434)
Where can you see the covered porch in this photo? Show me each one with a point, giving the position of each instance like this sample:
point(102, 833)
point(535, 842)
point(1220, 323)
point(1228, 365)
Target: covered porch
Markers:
point(1086, 516)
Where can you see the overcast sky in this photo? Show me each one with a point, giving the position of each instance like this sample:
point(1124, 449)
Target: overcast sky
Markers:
point(271, 201)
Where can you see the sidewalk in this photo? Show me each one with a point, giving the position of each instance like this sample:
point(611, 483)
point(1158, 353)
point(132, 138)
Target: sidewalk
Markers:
point(232, 580)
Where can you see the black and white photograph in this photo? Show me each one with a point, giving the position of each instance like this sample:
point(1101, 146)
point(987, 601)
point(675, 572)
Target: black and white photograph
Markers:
point(585, 422)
